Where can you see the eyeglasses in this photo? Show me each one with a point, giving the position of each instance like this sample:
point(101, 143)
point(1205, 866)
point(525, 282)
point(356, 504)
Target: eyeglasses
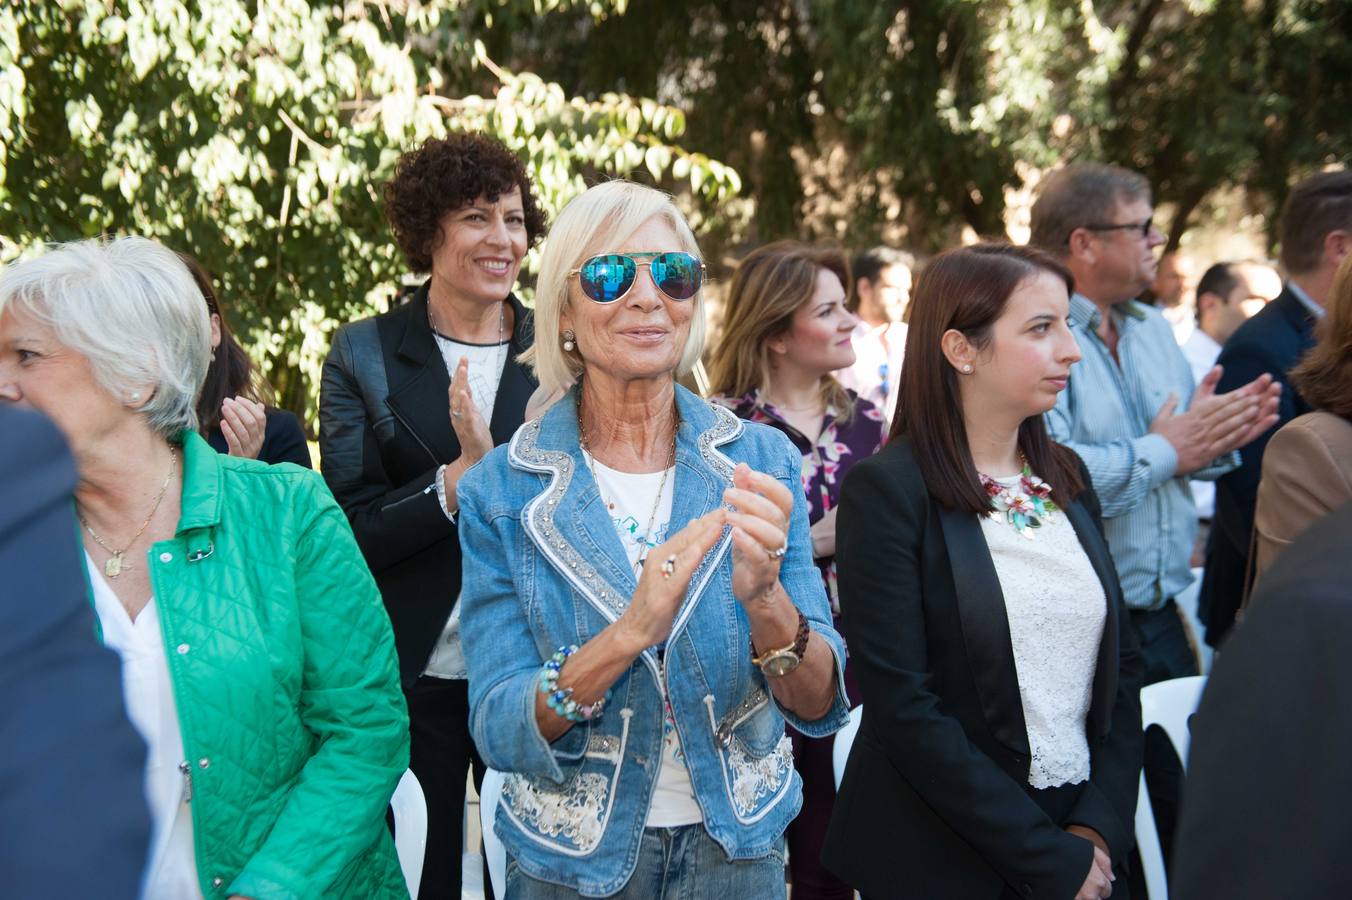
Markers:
point(609, 276)
point(1143, 227)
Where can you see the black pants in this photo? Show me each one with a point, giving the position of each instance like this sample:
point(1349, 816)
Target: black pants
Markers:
point(1167, 654)
point(441, 753)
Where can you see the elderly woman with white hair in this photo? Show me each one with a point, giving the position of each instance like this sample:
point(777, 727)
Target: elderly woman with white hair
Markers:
point(640, 608)
point(258, 662)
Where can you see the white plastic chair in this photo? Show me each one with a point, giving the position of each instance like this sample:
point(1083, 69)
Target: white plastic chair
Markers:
point(410, 829)
point(489, 795)
point(840, 749)
point(1168, 704)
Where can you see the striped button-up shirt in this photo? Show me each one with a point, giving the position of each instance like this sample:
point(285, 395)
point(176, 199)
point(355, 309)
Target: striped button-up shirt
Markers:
point(1104, 414)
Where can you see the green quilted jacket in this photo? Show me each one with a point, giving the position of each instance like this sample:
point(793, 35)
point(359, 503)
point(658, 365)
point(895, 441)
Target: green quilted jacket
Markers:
point(282, 661)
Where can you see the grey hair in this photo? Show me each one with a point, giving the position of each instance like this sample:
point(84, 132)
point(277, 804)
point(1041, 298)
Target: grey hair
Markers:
point(598, 220)
point(1080, 195)
point(131, 308)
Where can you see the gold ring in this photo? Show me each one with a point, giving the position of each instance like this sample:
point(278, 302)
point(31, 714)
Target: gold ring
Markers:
point(669, 566)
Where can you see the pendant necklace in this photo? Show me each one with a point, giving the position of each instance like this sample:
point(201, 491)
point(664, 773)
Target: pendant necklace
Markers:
point(610, 504)
point(117, 563)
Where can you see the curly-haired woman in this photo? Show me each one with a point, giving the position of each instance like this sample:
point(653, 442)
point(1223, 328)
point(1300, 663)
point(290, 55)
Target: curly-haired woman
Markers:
point(410, 400)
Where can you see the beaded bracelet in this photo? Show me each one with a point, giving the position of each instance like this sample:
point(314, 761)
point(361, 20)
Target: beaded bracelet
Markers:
point(560, 700)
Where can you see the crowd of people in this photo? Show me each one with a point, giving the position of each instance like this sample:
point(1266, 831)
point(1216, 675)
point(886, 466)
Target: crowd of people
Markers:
point(962, 494)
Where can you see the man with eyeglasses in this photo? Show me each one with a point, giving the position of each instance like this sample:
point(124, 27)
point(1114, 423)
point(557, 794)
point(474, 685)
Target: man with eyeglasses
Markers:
point(1132, 411)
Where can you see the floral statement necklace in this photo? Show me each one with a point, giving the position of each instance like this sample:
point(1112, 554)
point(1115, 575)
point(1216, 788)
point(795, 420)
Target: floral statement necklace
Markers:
point(1026, 505)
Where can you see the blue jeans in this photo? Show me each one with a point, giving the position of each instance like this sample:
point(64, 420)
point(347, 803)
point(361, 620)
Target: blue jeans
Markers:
point(676, 864)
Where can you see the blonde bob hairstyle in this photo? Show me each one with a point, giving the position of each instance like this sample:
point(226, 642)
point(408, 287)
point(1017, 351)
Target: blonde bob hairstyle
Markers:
point(131, 308)
point(771, 283)
point(598, 221)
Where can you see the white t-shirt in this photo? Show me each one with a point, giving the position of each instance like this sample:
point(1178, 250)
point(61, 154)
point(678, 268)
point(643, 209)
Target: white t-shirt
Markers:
point(171, 864)
point(486, 362)
point(630, 499)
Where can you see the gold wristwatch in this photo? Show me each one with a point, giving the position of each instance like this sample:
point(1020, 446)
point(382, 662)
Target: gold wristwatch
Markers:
point(777, 663)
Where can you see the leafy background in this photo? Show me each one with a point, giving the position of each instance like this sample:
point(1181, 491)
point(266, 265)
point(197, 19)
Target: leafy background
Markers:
point(256, 135)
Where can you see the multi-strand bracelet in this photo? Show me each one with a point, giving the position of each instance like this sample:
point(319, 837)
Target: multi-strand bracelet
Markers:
point(561, 699)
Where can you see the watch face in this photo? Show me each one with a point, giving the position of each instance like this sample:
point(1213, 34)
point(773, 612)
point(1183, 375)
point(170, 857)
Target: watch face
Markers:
point(779, 665)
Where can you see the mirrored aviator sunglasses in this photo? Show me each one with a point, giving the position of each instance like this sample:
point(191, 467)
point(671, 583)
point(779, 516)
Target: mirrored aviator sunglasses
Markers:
point(609, 276)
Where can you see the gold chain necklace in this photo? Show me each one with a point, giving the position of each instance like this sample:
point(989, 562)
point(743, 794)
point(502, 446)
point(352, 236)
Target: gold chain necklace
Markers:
point(610, 504)
point(116, 563)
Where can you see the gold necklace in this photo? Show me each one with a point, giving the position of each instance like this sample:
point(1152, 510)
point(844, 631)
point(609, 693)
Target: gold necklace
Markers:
point(116, 563)
point(610, 504)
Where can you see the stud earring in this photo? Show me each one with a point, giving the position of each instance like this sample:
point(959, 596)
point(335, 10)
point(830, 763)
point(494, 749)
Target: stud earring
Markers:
point(569, 342)
point(134, 397)
point(967, 370)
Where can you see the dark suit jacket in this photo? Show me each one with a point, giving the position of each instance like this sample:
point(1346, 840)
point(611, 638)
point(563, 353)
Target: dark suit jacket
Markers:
point(1265, 806)
point(384, 429)
point(73, 819)
point(935, 800)
point(1273, 341)
point(283, 439)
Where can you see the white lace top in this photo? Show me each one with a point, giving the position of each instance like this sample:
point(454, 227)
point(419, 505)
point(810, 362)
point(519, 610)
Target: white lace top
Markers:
point(1056, 607)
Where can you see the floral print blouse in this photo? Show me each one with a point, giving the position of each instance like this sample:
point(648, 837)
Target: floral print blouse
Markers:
point(843, 442)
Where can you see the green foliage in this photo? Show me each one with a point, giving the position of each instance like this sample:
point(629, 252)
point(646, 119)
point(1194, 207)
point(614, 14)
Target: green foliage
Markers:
point(256, 136)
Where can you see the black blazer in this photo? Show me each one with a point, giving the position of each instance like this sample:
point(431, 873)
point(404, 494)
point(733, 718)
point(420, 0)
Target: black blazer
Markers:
point(72, 768)
point(283, 439)
point(935, 799)
point(384, 429)
point(1265, 806)
point(1273, 341)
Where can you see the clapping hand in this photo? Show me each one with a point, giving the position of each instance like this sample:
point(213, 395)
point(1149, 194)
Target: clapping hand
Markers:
point(243, 424)
point(469, 426)
point(1216, 424)
point(666, 577)
point(760, 529)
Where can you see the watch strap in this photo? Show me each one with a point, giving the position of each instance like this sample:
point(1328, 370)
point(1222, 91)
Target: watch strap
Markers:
point(798, 648)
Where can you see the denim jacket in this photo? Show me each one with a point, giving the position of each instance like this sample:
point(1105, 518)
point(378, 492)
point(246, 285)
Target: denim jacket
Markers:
point(544, 568)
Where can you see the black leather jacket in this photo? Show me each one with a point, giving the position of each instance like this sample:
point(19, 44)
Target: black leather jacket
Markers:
point(384, 429)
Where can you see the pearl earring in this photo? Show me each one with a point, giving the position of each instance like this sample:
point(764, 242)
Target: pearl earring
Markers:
point(134, 396)
point(569, 342)
point(967, 370)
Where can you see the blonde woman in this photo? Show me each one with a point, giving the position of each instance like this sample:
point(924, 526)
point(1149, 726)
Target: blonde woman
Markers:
point(786, 330)
point(632, 672)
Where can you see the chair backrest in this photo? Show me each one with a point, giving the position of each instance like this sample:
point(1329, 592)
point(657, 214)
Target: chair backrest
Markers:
point(410, 829)
point(490, 792)
point(1168, 704)
point(840, 749)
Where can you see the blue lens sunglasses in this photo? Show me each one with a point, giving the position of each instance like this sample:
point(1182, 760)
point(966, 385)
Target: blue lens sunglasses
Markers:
point(608, 277)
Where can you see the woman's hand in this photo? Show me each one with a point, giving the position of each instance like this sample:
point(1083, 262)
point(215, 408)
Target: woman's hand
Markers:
point(1099, 882)
point(470, 428)
point(760, 527)
point(243, 423)
point(648, 619)
point(824, 535)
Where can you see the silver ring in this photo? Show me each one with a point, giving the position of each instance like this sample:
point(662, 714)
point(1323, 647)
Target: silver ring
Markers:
point(455, 413)
point(669, 566)
point(779, 552)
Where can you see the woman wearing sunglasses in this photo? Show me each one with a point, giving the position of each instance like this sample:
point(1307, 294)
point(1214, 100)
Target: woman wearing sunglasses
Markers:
point(786, 330)
point(1000, 745)
point(640, 608)
point(412, 398)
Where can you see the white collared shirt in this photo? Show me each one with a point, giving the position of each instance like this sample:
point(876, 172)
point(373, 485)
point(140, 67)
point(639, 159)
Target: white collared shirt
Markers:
point(171, 866)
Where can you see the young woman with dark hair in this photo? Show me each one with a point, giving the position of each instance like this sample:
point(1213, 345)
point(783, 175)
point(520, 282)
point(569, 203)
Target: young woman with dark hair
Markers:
point(234, 410)
point(1000, 745)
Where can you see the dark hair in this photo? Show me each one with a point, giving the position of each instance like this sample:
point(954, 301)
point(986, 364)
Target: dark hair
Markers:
point(967, 290)
point(446, 174)
point(1324, 376)
point(869, 264)
point(1318, 205)
point(1221, 279)
point(1080, 195)
point(230, 373)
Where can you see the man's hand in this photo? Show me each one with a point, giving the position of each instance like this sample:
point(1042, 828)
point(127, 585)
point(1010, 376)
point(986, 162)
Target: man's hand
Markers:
point(1216, 424)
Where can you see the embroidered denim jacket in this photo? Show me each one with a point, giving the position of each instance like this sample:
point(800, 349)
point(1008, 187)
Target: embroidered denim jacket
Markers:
point(544, 568)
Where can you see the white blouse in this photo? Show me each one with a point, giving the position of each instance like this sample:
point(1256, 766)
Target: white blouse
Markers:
point(171, 866)
point(1056, 608)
